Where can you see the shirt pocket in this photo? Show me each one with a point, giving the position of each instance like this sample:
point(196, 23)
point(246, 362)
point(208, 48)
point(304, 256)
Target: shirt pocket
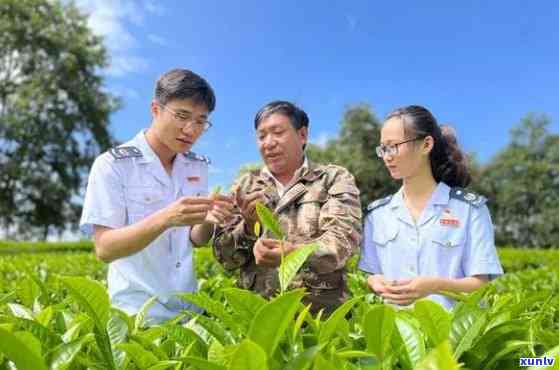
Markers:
point(383, 237)
point(446, 237)
point(194, 189)
point(383, 242)
point(308, 212)
point(142, 201)
point(449, 244)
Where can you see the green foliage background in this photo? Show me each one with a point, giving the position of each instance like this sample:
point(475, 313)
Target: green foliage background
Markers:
point(54, 120)
point(54, 114)
point(521, 182)
point(53, 317)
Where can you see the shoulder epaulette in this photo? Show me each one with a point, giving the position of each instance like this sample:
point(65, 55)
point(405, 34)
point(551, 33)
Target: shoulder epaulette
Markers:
point(467, 196)
point(122, 152)
point(197, 157)
point(379, 203)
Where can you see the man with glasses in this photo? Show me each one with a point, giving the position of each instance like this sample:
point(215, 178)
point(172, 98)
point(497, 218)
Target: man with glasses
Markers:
point(315, 204)
point(147, 202)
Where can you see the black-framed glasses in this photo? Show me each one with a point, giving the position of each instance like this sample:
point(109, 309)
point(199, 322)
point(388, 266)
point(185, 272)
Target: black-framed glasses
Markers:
point(392, 149)
point(183, 118)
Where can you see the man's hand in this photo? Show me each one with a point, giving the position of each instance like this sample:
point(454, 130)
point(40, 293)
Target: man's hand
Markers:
point(187, 211)
point(221, 211)
point(267, 252)
point(247, 206)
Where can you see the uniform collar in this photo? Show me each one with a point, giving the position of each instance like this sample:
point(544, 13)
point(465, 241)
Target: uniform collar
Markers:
point(140, 141)
point(148, 155)
point(398, 206)
point(152, 161)
point(440, 197)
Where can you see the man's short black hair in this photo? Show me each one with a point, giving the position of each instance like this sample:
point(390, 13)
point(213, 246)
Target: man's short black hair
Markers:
point(297, 116)
point(184, 84)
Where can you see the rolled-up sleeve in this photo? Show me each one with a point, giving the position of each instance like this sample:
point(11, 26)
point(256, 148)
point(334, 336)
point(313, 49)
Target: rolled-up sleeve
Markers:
point(481, 255)
point(368, 260)
point(104, 202)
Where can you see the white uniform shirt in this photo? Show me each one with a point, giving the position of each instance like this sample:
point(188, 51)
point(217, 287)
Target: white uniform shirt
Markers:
point(453, 238)
point(122, 191)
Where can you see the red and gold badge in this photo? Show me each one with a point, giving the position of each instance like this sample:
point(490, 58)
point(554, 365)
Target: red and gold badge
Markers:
point(448, 219)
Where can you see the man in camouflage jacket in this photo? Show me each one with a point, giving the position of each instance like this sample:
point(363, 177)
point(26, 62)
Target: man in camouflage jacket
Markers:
point(314, 203)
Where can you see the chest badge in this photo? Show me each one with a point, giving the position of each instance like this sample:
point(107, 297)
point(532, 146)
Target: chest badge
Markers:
point(193, 179)
point(448, 219)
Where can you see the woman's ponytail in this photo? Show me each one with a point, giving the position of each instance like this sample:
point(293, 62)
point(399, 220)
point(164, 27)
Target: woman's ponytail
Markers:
point(453, 170)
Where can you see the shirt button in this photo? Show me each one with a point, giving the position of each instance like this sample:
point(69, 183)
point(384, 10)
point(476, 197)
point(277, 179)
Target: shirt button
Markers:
point(412, 268)
point(178, 264)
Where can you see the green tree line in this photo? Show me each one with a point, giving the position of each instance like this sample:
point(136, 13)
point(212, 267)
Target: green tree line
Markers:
point(521, 182)
point(54, 114)
point(54, 120)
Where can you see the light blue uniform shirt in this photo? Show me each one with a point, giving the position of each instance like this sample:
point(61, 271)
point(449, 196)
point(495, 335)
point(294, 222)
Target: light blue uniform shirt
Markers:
point(453, 238)
point(123, 191)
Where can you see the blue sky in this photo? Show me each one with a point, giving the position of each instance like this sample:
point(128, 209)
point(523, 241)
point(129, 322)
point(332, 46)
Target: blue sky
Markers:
point(478, 65)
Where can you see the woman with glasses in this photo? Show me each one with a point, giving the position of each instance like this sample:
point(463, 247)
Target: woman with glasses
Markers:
point(432, 235)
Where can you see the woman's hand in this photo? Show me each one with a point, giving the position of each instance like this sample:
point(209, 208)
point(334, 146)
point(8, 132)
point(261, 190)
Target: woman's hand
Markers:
point(406, 291)
point(377, 284)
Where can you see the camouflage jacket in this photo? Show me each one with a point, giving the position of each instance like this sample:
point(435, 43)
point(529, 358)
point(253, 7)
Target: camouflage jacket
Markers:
point(321, 206)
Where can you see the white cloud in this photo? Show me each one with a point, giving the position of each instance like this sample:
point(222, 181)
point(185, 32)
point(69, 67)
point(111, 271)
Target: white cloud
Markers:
point(351, 22)
point(154, 8)
point(124, 64)
point(125, 92)
point(110, 19)
point(322, 139)
point(157, 40)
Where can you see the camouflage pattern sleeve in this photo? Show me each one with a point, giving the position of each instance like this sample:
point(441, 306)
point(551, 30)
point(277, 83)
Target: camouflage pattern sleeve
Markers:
point(232, 245)
point(339, 223)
